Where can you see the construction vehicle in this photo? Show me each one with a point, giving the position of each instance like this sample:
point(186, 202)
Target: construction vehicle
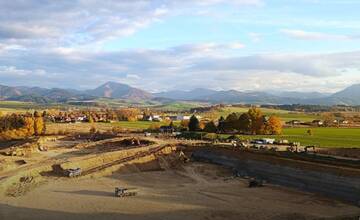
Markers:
point(306, 149)
point(255, 182)
point(124, 192)
point(74, 172)
point(183, 157)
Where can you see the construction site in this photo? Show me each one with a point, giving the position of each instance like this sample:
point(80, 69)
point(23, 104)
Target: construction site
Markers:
point(132, 176)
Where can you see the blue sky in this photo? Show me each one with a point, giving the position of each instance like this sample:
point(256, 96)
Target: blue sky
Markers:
point(302, 45)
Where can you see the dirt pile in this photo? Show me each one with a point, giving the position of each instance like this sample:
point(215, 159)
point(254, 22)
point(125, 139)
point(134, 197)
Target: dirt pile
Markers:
point(25, 184)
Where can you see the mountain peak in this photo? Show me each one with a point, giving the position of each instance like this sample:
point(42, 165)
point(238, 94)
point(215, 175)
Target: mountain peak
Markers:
point(117, 90)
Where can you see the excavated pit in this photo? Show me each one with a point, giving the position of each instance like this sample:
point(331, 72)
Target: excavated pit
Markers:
point(341, 183)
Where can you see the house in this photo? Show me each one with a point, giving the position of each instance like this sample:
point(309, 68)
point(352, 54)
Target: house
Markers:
point(148, 118)
point(268, 140)
point(263, 141)
point(293, 122)
point(318, 122)
point(183, 117)
point(345, 122)
point(152, 118)
point(156, 118)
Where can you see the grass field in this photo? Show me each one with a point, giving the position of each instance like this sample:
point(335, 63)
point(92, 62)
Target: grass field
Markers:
point(14, 106)
point(322, 137)
point(325, 137)
point(284, 115)
point(178, 106)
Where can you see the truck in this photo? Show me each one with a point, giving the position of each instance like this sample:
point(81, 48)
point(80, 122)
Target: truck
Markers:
point(73, 172)
point(124, 192)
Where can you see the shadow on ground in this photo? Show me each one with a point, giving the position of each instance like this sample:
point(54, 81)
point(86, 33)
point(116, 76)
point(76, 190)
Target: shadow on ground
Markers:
point(89, 193)
point(16, 213)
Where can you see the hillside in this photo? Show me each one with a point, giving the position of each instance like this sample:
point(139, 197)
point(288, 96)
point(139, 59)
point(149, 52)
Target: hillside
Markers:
point(119, 91)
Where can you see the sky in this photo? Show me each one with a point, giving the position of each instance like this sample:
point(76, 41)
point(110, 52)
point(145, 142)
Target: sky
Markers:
point(161, 45)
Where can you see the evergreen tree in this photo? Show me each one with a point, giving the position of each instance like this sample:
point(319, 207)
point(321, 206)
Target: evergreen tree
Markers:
point(244, 123)
point(221, 125)
point(194, 124)
point(210, 127)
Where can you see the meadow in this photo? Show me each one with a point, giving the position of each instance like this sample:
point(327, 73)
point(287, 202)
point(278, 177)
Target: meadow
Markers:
point(321, 137)
point(283, 114)
point(325, 137)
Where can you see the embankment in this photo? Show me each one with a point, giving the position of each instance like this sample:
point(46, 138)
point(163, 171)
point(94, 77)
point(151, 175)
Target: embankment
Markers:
point(338, 182)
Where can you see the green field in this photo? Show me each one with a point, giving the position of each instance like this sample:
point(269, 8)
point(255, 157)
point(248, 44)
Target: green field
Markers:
point(322, 137)
point(283, 114)
point(178, 106)
point(325, 137)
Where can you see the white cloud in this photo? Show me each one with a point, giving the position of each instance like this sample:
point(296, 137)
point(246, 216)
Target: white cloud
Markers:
point(306, 35)
point(183, 67)
point(13, 71)
point(255, 37)
point(234, 2)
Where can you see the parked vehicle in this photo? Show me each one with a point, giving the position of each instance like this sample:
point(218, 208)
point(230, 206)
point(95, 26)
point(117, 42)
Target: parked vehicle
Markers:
point(124, 192)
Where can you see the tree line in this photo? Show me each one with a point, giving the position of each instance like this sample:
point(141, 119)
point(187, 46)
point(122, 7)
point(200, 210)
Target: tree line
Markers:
point(253, 122)
point(18, 126)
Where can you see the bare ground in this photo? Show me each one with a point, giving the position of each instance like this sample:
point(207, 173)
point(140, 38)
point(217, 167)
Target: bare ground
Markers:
point(193, 191)
point(167, 190)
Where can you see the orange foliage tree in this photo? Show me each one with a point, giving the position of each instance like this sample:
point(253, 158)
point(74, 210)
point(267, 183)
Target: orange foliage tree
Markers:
point(273, 125)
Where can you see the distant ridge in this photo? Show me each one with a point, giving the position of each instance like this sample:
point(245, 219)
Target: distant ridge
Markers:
point(119, 91)
point(115, 90)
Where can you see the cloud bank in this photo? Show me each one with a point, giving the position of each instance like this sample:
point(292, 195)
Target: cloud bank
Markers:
point(60, 44)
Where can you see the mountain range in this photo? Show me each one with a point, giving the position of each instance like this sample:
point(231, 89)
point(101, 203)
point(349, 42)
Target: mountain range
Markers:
point(114, 90)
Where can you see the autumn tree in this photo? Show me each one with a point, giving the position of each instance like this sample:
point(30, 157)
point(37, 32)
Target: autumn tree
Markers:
point(194, 124)
point(184, 124)
point(39, 125)
point(273, 125)
point(128, 114)
point(256, 120)
point(29, 125)
point(90, 118)
point(310, 132)
point(328, 119)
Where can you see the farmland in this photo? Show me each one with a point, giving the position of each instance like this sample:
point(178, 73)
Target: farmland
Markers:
point(283, 114)
point(325, 137)
point(321, 137)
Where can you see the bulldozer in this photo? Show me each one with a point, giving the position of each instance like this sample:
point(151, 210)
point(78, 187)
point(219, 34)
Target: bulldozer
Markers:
point(125, 192)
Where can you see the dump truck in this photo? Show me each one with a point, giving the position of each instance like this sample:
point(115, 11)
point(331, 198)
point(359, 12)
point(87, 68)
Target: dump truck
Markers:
point(73, 172)
point(124, 192)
